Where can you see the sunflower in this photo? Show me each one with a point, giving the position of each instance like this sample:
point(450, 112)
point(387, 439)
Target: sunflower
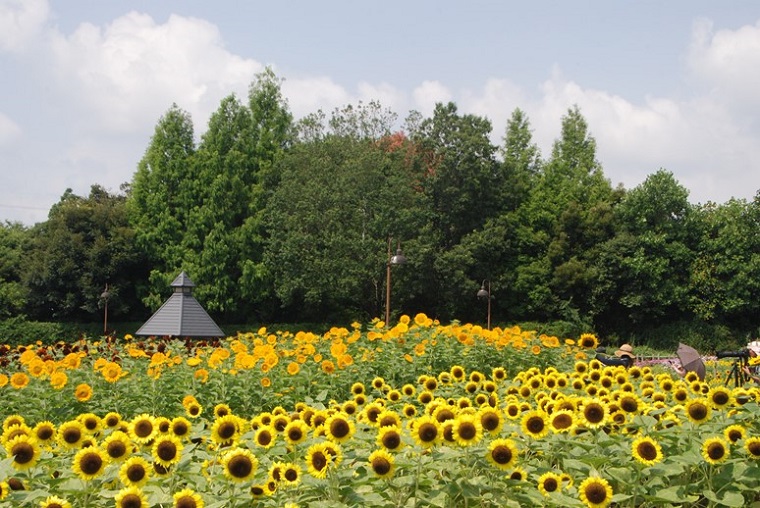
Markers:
point(698, 410)
point(239, 464)
point(502, 453)
point(187, 498)
point(166, 450)
point(409, 410)
point(490, 420)
point(595, 492)
point(12, 420)
point(457, 372)
point(225, 430)
point(290, 475)
point(390, 438)
point(296, 431)
point(265, 436)
point(339, 428)
point(318, 460)
point(534, 424)
point(518, 474)
point(752, 447)
point(5, 489)
point(90, 463)
point(594, 413)
point(549, 482)
point(52, 502)
point(142, 428)
point(562, 421)
point(19, 380)
point(222, 410)
point(467, 429)
point(71, 434)
point(91, 422)
point(193, 409)
point(24, 450)
point(646, 450)
point(720, 397)
point(588, 341)
point(135, 472)
point(629, 403)
point(112, 420)
point(181, 427)
point(715, 450)
point(382, 463)
point(117, 445)
point(83, 392)
point(131, 497)
point(734, 433)
point(426, 431)
point(45, 433)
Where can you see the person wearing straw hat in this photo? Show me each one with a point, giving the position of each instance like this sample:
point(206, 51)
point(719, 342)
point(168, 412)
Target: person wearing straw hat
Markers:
point(625, 352)
point(751, 370)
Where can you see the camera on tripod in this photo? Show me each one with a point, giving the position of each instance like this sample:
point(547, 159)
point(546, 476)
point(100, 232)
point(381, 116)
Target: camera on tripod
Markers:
point(742, 354)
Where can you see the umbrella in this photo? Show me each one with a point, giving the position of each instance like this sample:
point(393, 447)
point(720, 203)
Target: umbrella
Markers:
point(691, 360)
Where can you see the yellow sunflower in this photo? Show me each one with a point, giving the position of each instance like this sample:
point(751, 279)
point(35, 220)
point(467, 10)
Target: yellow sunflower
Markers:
point(339, 428)
point(752, 447)
point(142, 428)
point(239, 464)
point(715, 450)
point(71, 434)
point(167, 450)
point(549, 482)
point(595, 492)
point(426, 431)
point(318, 461)
point(382, 463)
point(390, 438)
point(502, 453)
point(646, 450)
point(467, 429)
point(24, 450)
point(187, 498)
point(698, 410)
point(135, 472)
point(734, 433)
point(90, 463)
point(52, 502)
point(131, 497)
point(534, 424)
point(118, 446)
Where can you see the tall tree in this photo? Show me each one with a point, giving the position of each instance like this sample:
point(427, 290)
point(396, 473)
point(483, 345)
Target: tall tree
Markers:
point(14, 252)
point(161, 197)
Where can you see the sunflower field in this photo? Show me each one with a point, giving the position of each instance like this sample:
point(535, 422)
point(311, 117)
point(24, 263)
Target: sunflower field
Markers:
point(409, 414)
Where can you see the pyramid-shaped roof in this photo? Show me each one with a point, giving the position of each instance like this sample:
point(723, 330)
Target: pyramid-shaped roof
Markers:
point(181, 315)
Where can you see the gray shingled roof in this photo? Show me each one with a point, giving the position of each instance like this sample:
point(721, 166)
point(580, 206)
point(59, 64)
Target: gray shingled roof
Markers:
point(181, 315)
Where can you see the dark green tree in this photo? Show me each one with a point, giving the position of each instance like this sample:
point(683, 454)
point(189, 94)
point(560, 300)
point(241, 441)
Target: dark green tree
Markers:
point(14, 251)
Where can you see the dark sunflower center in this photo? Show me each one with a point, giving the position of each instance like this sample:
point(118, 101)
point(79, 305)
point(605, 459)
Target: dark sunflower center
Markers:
point(23, 453)
point(596, 493)
point(716, 451)
point(562, 421)
point(391, 440)
point(91, 463)
point(647, 450)
point(490, 421)
point(501, 455)
point(240, 466)
point(318, 461)
point(264, 438)
point(427, 432)
point(166, 451)
point(143, 428)
point(136, 473)
point(535, 424)
point(467, 431)
point(131, 501)
point(698, 411)
point(116, 449)
point(594, 413)
point(381, 465)
point(227, 430)
point(339, 428)
point(72, 435)
point(551, 484)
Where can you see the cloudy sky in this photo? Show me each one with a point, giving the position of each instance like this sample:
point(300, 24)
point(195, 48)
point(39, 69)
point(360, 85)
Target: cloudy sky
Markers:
point(663, 84)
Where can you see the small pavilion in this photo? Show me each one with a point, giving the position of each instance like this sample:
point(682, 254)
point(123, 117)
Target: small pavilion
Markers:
point(181, 315)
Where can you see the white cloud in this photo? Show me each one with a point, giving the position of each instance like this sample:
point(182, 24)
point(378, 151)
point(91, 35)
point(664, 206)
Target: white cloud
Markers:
point(134, 68)
point(307, 95)
point(727, 62)
point(20, 22)
point(428, 94)
point(387, 95)
point(9, 131)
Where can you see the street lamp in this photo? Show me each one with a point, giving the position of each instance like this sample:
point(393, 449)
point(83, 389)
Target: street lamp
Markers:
point(397, 259)
point(104, 295)
point(485, 292)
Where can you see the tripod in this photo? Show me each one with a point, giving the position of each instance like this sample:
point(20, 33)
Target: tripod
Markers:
point(737, 374)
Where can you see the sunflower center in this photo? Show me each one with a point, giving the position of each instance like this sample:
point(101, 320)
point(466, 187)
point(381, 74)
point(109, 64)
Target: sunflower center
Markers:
point(143, 428)
point(318, 461)
point(116, 449)
point(44, 433)
point(240, 466)
point(227, 430)
point(594, 413)
point(716, 451)
point(381, 465)
point(91, 463)
point(596, 493)
point(166, 451)
point(501, 455)
point(698, 411)
point(647, 451)
point(72, 436)
point(185, 502)
point(339, 428)
point(427, 432)
point(131, 501)
point(467, 431)
point(535, 424)
point(562, 421)
point(291, 475)
point(490, 422)
point(391, 440)
point(23, 452)
point(551, 484)
point(135, 473)
point(264, 438)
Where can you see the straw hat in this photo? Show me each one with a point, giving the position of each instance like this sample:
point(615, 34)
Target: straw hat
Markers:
point(626, 350)
point(754, 346)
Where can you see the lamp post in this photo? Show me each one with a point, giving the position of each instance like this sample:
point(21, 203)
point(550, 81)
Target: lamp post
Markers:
point(104, 295)
point(397, 259)
point(485, 292)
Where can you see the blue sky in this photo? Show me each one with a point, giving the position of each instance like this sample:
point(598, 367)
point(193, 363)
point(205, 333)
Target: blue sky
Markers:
point(670, 85)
